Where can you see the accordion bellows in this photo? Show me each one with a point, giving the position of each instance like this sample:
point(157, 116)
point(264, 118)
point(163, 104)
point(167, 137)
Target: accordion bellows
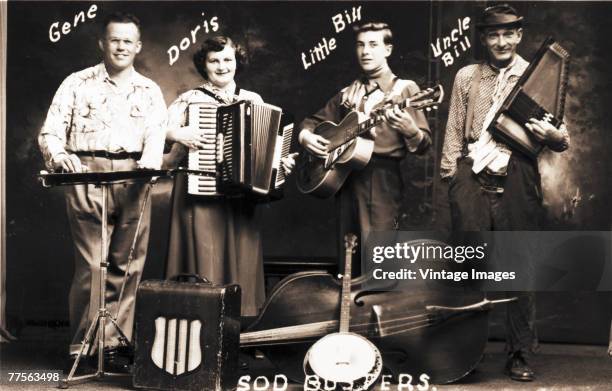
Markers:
point(539, 93)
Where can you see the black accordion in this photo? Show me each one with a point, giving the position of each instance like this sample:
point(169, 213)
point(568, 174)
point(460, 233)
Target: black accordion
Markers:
point(539, 93)
point(253, 138)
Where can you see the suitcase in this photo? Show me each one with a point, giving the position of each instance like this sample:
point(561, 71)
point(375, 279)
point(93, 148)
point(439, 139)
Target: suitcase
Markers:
point(187, 335)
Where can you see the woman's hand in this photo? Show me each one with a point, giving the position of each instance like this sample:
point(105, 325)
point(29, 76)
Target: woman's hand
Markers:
point(289, 162)
point(188, 136)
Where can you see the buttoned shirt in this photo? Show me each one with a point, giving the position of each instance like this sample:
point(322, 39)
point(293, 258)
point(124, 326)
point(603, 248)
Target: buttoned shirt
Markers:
point(90, 112)
point(492, 91)
point(389, 141)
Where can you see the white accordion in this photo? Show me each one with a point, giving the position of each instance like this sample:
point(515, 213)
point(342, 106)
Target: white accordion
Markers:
point(252, 137)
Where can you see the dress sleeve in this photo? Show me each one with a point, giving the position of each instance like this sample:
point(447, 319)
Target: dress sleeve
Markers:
point(177, 117)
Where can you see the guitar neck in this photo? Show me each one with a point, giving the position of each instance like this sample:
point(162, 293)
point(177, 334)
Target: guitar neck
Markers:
point(375, 119)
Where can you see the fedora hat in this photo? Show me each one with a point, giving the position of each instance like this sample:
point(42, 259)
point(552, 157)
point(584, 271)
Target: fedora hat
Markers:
point(501, 15)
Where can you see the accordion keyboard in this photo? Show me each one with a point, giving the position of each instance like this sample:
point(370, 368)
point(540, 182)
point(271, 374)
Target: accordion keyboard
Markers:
point(204, 117)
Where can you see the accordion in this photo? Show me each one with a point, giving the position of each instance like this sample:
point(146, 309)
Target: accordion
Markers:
point(252, 137)
point(539, 93)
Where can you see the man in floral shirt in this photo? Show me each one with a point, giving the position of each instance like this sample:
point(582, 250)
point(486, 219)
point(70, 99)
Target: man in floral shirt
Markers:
point(106, 118)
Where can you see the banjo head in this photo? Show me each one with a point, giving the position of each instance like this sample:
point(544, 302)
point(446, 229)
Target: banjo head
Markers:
point(344, 358)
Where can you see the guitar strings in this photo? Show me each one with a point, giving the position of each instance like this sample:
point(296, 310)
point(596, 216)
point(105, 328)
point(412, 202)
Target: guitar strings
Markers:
point(380, 111)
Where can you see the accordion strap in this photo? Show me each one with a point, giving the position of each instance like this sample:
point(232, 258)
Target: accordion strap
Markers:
point(217, 97)
point(473, 94)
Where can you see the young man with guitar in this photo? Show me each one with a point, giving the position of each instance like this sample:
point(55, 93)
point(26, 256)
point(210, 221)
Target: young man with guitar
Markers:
point(492, 187)
point(371, 197)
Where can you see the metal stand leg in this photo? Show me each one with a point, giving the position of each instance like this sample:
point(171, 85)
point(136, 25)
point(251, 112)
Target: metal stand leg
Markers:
point(99, 322)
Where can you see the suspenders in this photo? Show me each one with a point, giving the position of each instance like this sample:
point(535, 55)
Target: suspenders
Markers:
point(473, 94)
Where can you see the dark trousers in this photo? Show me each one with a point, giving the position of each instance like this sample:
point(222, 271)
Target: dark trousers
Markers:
point(510, 203)
point(370, 200)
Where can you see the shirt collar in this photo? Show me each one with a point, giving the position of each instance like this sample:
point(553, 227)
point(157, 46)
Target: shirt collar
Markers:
point(136, 79)
point(385, 81)
point(226, 94)
point(516, 68)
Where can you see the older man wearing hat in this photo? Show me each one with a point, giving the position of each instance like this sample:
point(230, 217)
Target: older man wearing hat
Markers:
point(492, 187)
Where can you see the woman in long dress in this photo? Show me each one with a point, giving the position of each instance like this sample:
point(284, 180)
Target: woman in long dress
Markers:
point(214, 237)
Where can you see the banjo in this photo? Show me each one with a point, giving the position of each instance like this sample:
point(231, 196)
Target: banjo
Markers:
point(346, 360)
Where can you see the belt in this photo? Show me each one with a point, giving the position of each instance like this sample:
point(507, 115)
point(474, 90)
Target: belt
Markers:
point(376, 156)
point(491, 183)
point(110, 155)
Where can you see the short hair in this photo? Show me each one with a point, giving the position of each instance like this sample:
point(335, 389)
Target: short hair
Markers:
point(375, 26)
point(217, 44)
point(120, 17)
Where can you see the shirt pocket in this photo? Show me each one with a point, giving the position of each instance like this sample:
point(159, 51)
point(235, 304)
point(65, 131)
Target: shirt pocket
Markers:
point(92, 116)
point(138, 118)
point(137, 111)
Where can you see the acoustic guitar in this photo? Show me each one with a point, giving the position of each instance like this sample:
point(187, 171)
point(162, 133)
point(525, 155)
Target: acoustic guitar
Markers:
point(347, 360)
point(347, 151)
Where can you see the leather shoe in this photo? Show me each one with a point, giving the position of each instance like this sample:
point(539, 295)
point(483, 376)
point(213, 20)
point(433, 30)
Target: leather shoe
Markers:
point(518, 369)
point(86, 365)
point(118, 360)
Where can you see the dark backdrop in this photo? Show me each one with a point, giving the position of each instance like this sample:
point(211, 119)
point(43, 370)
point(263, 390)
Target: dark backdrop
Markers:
point(38, 244)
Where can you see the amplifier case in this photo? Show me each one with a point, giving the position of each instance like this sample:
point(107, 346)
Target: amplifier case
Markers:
point(187, 336)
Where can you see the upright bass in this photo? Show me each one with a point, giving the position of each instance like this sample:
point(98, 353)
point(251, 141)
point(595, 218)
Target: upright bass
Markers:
point(432, 330)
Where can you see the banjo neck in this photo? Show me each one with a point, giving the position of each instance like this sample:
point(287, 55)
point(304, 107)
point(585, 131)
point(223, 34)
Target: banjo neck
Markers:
point(345, 302)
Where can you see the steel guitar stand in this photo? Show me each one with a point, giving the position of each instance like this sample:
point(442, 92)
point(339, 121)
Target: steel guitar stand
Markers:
point(104, 181)
point(103, 315)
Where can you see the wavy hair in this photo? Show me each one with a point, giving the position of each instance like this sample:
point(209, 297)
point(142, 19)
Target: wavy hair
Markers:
point(217, 44)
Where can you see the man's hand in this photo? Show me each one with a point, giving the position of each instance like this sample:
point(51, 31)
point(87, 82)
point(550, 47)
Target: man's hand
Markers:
point(314, 143)
point(289, 162)
point(68, 163)
point(544, 131)
point(401, 121)
point(189, 136)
